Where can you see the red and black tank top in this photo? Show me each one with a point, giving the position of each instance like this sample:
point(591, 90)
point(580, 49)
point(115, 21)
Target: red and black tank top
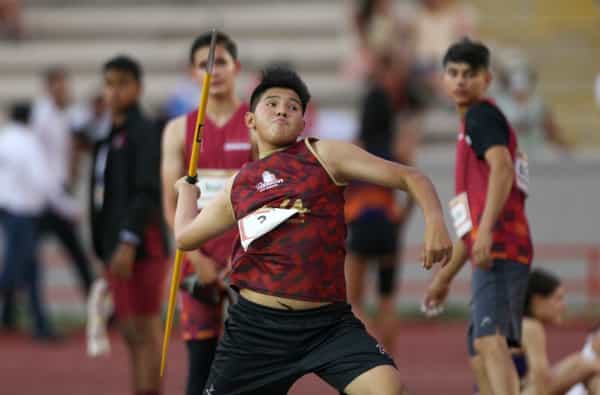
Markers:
point(511, 234)
point(302, 258)
point(223, 151)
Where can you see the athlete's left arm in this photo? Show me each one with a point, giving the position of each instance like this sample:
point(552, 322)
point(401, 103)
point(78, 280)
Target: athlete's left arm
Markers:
point(347, 162)
point(192, 229)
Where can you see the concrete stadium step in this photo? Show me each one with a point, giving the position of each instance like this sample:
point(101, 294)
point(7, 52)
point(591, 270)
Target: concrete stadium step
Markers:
point(327, 91)
point(315, 20)
point(169, 55)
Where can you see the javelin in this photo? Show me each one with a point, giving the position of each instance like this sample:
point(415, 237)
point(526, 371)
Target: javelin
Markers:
point(191, 179)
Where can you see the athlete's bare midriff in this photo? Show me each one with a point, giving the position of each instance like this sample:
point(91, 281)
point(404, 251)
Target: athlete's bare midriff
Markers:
point(277, 302)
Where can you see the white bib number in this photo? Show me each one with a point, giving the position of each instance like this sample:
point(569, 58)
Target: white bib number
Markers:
point(461, 216)
point(210, 183)
point(522, 172)
point(262, 221)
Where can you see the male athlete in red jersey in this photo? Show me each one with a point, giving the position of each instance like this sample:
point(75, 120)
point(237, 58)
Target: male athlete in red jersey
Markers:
point(225, 148)
point(489, 216)
point(288, 264)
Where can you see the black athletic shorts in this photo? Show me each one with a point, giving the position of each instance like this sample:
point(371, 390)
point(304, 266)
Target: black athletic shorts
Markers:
point(497, 301)
point(264, 351)
point(373, 235)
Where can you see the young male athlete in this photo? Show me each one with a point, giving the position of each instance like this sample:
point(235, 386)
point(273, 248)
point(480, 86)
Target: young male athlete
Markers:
point(126, 220)
point(288, 262)
point(489, 216)
point(225, 148)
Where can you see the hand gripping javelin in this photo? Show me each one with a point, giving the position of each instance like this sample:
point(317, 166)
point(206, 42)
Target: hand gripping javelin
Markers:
point(191, 178)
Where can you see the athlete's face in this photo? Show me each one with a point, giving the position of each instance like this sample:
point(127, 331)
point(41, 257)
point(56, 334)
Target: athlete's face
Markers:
point(465, 85)
point(121, 90)
point(278, 119)
point(552, 308)
point(224, 73)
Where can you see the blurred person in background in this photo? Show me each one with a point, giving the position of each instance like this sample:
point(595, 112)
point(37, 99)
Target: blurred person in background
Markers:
point(376, 215)
point(378, 28)
point(11, 20)
point(544, 306)
point(226, 146)
point(437, 24)
point(54, 124)
point(27, 189)
point(126, 220)
point(527, 112)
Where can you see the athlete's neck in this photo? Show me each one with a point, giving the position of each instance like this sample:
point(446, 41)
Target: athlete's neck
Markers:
point(220, 108)
point(264, 151)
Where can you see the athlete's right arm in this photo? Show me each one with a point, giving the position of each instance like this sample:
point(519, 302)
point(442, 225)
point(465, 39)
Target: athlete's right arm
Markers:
point(192, 229)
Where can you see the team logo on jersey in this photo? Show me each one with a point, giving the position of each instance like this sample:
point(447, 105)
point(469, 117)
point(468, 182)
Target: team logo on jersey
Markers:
point(269, 181)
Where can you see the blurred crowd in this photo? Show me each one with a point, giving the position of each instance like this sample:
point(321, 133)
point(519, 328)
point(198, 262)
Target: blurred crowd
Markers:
point(414, 35)
point(42, 149)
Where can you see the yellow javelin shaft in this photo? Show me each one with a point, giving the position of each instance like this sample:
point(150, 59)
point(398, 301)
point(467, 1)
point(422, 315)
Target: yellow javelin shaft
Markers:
point(191, 176)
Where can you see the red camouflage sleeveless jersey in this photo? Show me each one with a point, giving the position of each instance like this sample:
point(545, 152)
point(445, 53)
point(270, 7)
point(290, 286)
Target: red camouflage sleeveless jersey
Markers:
point(302, 258)
point(222, 152)
point(511, 235)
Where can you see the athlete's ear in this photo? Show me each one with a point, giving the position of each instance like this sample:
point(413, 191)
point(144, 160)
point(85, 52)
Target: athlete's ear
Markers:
point(250, 120)
point(238, 66)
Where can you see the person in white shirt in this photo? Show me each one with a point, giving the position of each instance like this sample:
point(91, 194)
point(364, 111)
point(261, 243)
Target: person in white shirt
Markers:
point(25, 191)
point(53, 121)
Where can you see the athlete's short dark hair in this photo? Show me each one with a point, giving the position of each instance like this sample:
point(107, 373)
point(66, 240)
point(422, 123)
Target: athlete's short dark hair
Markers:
point(473, 53)
point(125, 64)
point(541, 283)
point(223, 39)
point(280, 77)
